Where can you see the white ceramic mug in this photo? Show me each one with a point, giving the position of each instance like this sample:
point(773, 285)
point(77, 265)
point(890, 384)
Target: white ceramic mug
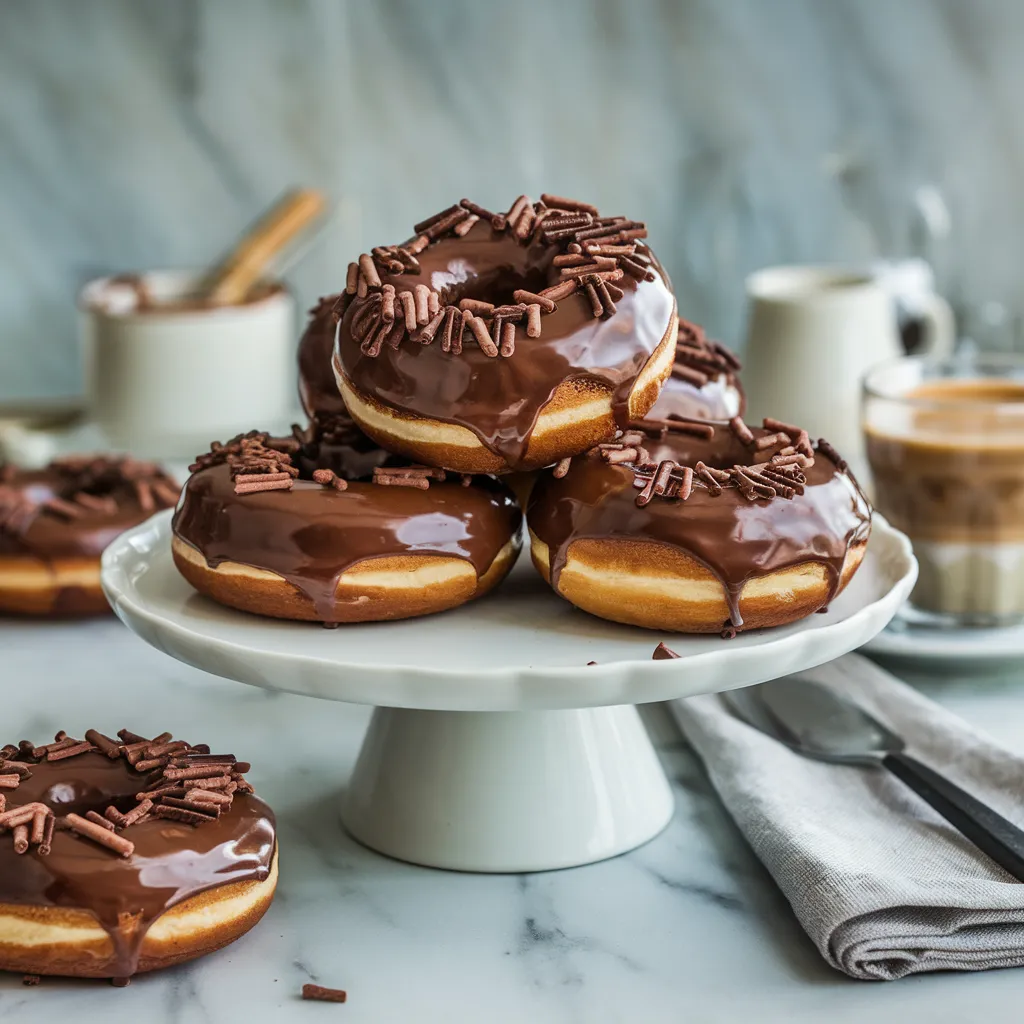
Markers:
point(165, 382)
point(813, 332)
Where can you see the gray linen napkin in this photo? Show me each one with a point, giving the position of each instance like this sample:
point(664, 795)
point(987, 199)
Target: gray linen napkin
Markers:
point(880, 882)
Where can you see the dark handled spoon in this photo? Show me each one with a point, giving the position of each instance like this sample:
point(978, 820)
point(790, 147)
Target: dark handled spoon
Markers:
point(812, 720)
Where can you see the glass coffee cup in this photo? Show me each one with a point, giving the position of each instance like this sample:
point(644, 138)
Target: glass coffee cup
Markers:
point(945, 442)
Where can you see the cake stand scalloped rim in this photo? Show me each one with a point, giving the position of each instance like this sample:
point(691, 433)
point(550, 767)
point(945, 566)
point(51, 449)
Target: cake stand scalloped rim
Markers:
point(510, 688)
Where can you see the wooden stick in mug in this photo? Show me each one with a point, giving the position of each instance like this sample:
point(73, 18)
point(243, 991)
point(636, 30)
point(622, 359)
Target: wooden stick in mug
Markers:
point(231, 280)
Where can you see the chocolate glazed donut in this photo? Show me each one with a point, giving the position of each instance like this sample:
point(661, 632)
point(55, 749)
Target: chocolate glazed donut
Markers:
point(297, 528)
point(697, 527)
point(56, 521)
point(318, 390)
point(498, 342)
point(122, 856)
point(705, 382)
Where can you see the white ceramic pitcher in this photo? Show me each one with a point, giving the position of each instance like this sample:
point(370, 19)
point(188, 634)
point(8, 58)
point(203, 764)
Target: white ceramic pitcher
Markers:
point(813, 332)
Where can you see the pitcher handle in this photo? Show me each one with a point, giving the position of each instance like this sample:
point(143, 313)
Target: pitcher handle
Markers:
point(939, 334)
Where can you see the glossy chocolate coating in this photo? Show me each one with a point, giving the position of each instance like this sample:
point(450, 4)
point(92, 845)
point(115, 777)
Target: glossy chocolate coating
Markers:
point(721, 398)
point(171, 861)
point(50, 535)
point(500, 399)
point(317, 388)
point(733, 537)
point(312, 534)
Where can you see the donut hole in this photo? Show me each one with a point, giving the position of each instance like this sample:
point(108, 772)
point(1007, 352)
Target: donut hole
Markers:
point(72, 797)
point(497, 286)
point(355, 460)
point(90, 782)
point(688, 451)
point(75, 796)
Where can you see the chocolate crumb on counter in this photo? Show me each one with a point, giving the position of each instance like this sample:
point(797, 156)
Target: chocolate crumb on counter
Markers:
point(322, 994)
point(663, 653)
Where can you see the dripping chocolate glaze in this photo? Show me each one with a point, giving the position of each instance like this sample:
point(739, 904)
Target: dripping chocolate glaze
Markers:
point(500, 399)
point(312, 534)
point(317, 388)
point(733, 537)
point(171, 862)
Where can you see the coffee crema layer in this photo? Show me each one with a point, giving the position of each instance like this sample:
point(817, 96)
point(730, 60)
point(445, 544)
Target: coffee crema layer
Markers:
point(735, 536)
point(171, 861)
point(499, 396)
point(948, 465)
point(951, 470)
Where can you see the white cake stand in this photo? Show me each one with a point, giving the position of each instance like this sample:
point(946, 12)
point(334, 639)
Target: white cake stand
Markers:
point(494, 746)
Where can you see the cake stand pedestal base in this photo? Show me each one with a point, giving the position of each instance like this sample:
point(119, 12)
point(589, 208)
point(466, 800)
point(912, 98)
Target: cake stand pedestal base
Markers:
point(506, 791)
point(479, 760)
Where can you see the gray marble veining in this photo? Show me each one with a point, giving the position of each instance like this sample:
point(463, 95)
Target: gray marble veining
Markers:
point(140, 133)
point(689, 927)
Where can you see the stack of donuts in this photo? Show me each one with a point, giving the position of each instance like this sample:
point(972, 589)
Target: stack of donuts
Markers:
point(535, 352)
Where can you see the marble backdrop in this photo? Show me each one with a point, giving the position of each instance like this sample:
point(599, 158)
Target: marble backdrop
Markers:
point(140, 133)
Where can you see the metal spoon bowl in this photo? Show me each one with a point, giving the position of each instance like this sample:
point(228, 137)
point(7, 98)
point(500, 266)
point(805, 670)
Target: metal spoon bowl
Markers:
point(812, 720)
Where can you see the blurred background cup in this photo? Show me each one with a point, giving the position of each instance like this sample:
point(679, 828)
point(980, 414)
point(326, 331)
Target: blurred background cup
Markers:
point(165, 376)
point(814, 331)
point(945, 442)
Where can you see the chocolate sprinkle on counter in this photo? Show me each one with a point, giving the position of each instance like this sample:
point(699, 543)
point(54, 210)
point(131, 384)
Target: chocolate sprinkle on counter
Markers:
point(322, 994)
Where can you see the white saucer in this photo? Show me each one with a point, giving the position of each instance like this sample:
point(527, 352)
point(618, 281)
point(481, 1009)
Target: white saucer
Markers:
point(565, 774)
point(927, 643)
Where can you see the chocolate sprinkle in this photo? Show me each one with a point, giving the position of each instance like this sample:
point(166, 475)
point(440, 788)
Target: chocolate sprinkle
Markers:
point(780, 475)
point(88, 487)
point(611, 252)
point(663, 653)
point(322, 994)
point(33, 824)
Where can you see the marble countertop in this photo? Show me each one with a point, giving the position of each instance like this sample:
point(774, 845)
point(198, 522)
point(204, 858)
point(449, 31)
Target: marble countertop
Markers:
point(688, 928)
